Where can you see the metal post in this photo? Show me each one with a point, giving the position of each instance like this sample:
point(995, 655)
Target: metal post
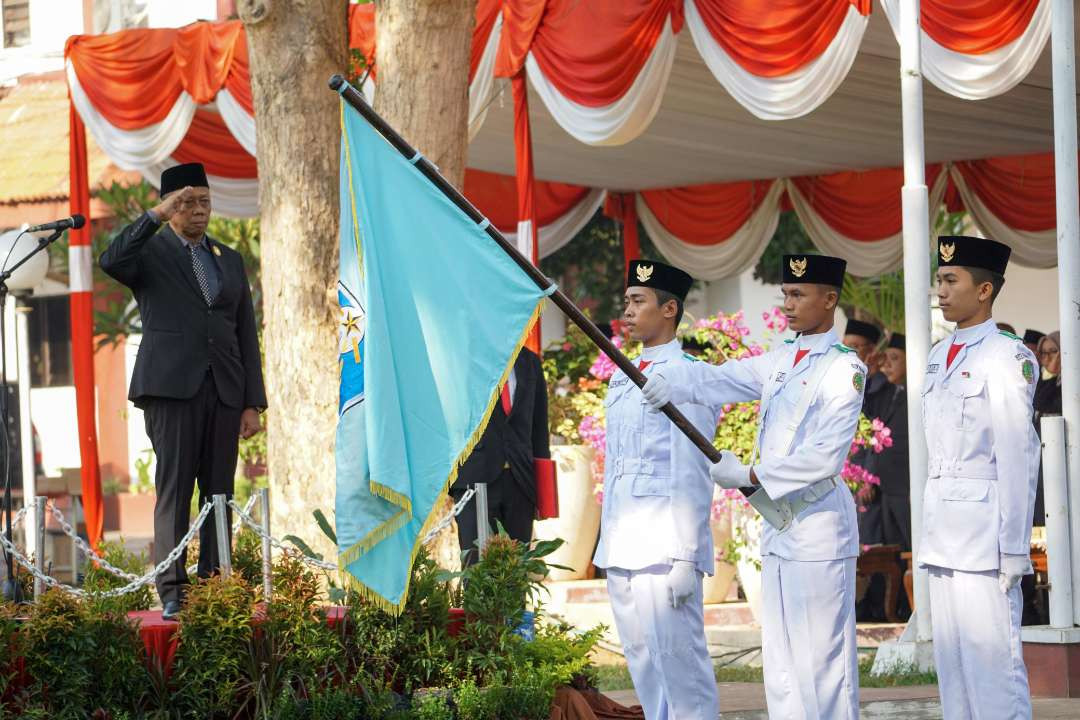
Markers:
point(1063, 70)
point(26, 435)
point(483, 530)
point(1058, 556)
point(39, 554)
point(916, 216)
point(267, 567)
point(224, 547)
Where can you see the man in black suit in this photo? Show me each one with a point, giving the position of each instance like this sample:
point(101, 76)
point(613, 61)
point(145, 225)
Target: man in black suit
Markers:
point(198, 376)
point(516, 434)
point(891, 464)
point(863, 337)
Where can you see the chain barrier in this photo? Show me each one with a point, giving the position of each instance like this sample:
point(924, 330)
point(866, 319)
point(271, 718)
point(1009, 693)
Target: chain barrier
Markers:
point(136, 582)
point(133, 585)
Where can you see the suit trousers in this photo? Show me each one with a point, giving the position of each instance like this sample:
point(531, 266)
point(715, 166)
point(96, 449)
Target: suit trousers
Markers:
point(196, 442)
point(508, 505)
point(977, 650)
point(896, 520)
point(665, 647)
point(808, 646)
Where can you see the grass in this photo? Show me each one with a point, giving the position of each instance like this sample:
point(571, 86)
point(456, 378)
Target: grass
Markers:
point(617, 677)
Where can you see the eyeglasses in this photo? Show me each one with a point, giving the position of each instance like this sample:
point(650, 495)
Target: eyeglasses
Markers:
point(1048, 353)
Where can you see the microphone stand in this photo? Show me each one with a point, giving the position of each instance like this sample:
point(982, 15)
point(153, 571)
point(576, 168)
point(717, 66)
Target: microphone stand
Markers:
point(12, 591)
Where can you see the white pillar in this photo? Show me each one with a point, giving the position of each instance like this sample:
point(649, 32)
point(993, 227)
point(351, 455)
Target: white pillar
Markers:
point(26, 432)
point(1068, 236)
point(916, 215)
point(1058, 561)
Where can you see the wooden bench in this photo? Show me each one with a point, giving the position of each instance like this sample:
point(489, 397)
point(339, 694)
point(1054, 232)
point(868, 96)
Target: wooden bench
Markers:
point(883, 560)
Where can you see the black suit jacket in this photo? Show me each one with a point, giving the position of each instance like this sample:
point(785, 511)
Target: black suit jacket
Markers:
point(516, 440)
point(891, 464)
point(182, 337)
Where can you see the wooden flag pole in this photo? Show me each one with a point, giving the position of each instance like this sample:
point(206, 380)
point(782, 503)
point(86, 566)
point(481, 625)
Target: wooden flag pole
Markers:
point(356, 100)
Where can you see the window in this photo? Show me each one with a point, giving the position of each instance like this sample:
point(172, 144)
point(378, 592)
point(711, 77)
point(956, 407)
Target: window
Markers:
point(16, 17)
point(49, 328)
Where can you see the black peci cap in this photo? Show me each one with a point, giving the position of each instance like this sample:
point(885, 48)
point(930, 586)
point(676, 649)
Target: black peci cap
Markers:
point(897, 342)
point(1033, 337)
point(658, 276)
point(179, 177)
point(965, 251)
point(817, 269)
point(863, 329)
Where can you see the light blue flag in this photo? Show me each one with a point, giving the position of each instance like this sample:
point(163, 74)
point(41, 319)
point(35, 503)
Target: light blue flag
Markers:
point(433, 313)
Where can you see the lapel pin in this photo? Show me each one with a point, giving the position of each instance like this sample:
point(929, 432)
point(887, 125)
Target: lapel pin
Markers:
point(216, 250)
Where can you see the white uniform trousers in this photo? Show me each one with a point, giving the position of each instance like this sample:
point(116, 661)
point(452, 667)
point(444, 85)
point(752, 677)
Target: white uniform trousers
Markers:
point(977, 650)
point(665, 647)
point(808, 647)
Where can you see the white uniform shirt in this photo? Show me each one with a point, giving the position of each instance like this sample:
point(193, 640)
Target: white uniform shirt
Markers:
point(827, 529)
point(657, 491)
point(983, 450)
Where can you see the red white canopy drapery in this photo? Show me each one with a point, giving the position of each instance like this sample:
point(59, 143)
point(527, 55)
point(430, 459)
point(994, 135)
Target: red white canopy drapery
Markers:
point(154, 97)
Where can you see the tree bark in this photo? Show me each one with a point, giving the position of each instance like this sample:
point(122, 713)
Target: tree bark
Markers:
point(294, 48)
point(422, 51)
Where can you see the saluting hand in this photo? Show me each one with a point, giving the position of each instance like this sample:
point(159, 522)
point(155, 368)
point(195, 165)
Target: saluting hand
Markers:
point(170, 205)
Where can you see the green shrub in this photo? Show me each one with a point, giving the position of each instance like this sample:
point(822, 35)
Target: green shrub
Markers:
point(247, 557)
point(99, 580)
point(214, 644)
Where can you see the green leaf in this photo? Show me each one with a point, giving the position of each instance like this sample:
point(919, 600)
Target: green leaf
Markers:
point(303, 547)
point(325, 526)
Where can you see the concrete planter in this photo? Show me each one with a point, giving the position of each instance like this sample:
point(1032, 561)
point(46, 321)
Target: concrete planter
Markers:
point(579, 513)
point(132, 514)
point(715, 588)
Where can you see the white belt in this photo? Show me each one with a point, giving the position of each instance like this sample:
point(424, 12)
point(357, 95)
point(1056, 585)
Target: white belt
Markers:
point(640, 466)
point(973, 469)
point(812, 494)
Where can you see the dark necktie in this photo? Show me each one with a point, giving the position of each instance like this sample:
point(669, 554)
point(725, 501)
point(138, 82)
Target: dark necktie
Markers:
point(200, 273)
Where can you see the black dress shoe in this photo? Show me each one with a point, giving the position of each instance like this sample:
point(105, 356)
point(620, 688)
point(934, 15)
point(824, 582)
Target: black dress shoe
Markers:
point(171, 610)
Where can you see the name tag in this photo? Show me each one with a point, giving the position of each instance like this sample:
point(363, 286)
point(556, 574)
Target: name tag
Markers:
point(780, 377)
point(933, 368)
point(617, 383)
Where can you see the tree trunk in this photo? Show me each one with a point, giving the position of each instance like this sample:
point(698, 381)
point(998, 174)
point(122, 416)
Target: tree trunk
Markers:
point(422, 53)
point(294, 48)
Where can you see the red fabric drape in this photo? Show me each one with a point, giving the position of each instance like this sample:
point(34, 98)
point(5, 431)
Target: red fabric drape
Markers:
point(976, 26)
point(496, 196)
point(861, 205)
point(621, 208)
point(209, 141)
point(525, 181)
point(134, 77)
point(706, 214)
point(775, 38)
point(591, 52)
point(82, 332)
point(1019, 190)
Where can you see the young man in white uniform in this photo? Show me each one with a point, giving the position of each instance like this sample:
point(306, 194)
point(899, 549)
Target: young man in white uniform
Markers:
point(980, 488)
point(811, 393)
point(655, 541)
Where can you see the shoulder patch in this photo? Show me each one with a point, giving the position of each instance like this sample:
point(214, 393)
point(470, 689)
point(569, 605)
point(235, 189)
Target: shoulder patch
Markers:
point(843, 348)
point(858, 381)
point(1027, 369)
point(1009, 335)
point(691, 358)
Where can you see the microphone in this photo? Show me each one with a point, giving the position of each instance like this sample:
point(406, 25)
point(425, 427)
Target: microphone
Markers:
point(74, 222)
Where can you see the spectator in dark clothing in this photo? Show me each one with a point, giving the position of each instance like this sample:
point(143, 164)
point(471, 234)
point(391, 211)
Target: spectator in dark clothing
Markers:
point(891, 464)
point(1032, 338)
point(863, 337)
point(1047, 400)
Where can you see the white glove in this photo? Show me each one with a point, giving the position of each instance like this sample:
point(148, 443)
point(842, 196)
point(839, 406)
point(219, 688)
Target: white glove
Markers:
point(657, 392)
point(729, 473)
point(1011, 570)
point(682, 581)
